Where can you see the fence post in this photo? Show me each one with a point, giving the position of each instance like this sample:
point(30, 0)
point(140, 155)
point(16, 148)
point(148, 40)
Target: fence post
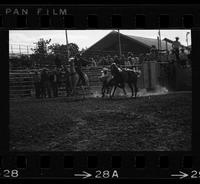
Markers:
point(11, 49)
point(20, 50)
point(149, 75)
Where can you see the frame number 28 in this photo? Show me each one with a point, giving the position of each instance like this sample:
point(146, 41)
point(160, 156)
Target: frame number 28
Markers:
point(10, 173)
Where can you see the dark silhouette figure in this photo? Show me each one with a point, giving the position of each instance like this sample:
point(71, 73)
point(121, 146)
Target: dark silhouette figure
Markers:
point(46, 86)
point(78, 68)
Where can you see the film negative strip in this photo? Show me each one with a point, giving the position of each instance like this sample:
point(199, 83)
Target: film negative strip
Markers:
point(60, 118)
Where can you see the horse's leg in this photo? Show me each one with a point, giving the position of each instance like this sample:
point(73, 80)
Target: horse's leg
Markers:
point(130, 85)
point(110, 93)
point(103, 91)
point(82, 87)
point(71, 85)
point(75, 81)
point(113, 91)
point(136, 89)
point(124, 90)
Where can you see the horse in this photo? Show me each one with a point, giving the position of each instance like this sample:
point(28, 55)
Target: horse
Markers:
point(108, 82)
point(75, 80)
point(122, 76)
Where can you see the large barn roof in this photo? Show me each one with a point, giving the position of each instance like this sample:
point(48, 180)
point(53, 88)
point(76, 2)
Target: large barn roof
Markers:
point(112, 39)
point(149, 41)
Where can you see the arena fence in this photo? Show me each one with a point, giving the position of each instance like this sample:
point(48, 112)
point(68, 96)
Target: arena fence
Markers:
point(152, 74)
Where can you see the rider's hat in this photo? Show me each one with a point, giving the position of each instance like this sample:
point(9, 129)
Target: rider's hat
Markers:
point(70, 59)
point(177, 37)
point(105, 69)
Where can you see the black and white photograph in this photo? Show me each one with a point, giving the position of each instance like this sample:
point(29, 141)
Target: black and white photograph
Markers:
point(100, 90)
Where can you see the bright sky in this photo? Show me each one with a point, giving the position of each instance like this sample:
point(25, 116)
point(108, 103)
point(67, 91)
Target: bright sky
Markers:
point(86, 38)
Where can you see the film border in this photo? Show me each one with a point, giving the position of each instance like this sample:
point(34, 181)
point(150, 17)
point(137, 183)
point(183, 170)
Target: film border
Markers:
point(186, 13)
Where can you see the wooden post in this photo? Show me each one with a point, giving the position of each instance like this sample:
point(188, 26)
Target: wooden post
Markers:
point(11, 49)
point(160, 40)
point(120, 51)
point(167, 50)
point(67, 46)
point(20, 50)
point(27, 50)
point(158, 43)
point(149, 75)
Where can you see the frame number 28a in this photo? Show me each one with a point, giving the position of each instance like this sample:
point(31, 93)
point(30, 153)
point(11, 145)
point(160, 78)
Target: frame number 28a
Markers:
point(106, 174)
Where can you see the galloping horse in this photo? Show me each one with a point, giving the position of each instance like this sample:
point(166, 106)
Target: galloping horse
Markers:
point(108, 82)
point(75, 79)
point(122, 76)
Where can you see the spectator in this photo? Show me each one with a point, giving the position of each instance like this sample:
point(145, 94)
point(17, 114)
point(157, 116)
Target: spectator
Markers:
point(190, 58)
point(141, 58)
point(45, 82)
point(37, 83)
point(57, 62)
point(116, 60)
point(129, 54)
point(53, 77)
point(153, 52)
point(176, 45)
point(93, 62)
point(65, 75)
point(78, 68)
point(127, 63)
point(122, 60)
point(106, 60)
point(111, 60)
point(183, 58)
point(172, 56)
point(130, 60)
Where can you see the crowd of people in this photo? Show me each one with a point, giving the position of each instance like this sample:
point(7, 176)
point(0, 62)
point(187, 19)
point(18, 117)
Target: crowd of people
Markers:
point(46, 82)
point(177, 54)
point(127, 60)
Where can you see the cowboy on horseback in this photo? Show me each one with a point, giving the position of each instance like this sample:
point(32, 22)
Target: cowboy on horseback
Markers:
point(78, 68)
point(176, 46)
point(76, 77)
point(122, 76)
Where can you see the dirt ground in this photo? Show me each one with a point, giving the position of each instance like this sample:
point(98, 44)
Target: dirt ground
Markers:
point(155, 123)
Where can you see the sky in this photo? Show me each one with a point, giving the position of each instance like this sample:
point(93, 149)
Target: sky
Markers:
point(86, 38)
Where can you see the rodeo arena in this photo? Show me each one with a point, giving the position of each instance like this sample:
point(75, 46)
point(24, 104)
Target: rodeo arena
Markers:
point(123, 93)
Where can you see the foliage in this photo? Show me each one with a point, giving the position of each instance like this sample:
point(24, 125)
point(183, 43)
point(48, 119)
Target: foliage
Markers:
point(41, 46)
point(46, 53)
point(40, 51)
point(61, 50)
point(23, 61)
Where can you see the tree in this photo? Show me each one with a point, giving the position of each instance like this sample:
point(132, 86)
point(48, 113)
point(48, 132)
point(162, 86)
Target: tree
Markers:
point(41, 51)
point(73, 49)
point(61, 50)
point(42, 46)
point(46, 53)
